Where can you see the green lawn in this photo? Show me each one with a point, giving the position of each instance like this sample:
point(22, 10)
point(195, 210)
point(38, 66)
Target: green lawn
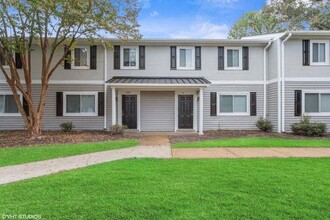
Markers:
point(18, 155)
point(178, 189)
point(255, 142)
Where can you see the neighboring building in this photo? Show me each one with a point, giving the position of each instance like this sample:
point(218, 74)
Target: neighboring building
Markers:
point(156, 84)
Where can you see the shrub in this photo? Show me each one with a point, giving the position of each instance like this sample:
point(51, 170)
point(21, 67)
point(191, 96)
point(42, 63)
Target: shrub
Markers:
point(264, 124)
point(117, 129)
point(306, 128)
point(67, 126)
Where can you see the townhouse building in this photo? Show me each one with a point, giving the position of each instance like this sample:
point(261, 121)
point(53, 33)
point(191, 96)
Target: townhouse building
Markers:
point(185, 84)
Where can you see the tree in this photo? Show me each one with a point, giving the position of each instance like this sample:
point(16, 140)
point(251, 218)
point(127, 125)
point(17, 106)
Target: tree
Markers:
point(284, 15)
point(54, 26)
point(254, 23)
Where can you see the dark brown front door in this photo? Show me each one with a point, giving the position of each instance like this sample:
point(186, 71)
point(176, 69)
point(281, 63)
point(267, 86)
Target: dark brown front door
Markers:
point(186, 109)
point(129, 114)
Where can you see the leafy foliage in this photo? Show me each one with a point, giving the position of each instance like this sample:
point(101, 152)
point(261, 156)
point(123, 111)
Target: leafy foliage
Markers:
point(283, 15)
point(306, 128)
point(67, 126)
point(117, 129)
point(264, 124)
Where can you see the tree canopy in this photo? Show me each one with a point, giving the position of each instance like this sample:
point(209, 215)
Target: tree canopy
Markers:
point(283, 15)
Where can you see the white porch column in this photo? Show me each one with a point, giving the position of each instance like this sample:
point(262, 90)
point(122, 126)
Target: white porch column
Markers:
point(114, 116)
point(201, 104)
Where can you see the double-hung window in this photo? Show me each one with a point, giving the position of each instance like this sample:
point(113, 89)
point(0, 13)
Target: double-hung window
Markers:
point(81, 58)
point(233, 104)
point(80, 104)
point(8, 105)
point(317, 103)
point(186, 57)
point(233, 58)
point(129, 58)
point(319, 52)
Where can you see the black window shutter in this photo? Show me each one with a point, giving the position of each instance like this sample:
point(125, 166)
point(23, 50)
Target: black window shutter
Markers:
point(221, 58)
point(306, 52)
point(173, 57)
point(297, 102)
point(116, 58)
point(198, 58)
point(18, 61)
point(101, 104)
point(253, 104)
point(59, 103)
point(67, 64)
point(93, 57)
point(142, 57)
point(213, 104)
point(26, 107)
point(245, 58)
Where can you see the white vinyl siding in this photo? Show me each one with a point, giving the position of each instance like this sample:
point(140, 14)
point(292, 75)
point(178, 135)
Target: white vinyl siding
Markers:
point(129, 58)
point(233, 104)
point(319, 52)
point(186, 57)
point(233, 58)
point(80, 104)
point(81, 58)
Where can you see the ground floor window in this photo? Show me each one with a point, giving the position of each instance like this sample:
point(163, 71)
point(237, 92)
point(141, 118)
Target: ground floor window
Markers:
point(233, 104)
point(77, 104)
point(8, 105)
point(317, 102)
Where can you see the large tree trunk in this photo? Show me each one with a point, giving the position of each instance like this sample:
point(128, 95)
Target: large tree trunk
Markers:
point(34, 129)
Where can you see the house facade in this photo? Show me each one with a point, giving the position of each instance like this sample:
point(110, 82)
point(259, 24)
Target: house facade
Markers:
point(183, 84)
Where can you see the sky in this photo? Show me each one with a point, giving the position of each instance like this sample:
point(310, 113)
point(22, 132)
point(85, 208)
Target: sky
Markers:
point(206, 19)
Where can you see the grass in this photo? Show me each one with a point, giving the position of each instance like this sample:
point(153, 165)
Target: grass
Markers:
point(178, 189)
point(254, 142)
point(18, 155)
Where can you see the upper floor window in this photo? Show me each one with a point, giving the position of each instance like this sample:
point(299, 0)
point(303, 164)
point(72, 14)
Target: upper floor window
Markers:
point(130, 58)
point(81, 56)
point(2, 58)
point(80, 104)
point(233, 104)
point(319, 52)
point(233, 58)
point(186, 57)
point(8, 105)
point(317, 102)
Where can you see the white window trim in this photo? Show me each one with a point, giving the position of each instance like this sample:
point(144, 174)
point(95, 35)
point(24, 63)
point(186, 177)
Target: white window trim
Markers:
point(82, 113)
point(178, 58)
point(88, 58)
point(326, 52)
point(11, 114)
point(247, 113)
point(122, 58)
point(319, 92)
point(239, 61)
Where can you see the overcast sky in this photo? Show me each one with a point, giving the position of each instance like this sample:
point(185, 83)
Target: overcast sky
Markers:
point(192, 18)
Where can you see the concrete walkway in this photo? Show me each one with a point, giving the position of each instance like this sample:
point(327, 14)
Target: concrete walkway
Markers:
point(249, 152)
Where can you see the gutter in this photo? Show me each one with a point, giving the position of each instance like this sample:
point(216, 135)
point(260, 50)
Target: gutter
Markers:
point(265, 77)
point(105, 127)
point(282, 79)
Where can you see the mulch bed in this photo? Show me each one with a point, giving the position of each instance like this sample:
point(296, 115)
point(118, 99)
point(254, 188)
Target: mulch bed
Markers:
point(20, 138)
point(222, 134)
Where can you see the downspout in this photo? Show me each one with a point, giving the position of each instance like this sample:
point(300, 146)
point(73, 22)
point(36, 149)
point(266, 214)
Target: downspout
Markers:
point(283, 80)
point(279, 87)
point(265, 77)
point(105, 127)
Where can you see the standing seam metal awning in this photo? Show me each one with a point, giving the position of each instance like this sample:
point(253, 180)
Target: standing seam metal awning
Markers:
point(157, 81)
